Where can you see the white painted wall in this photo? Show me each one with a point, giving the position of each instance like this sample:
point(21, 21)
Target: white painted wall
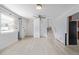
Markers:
point(29, 26)
point(49, 24)
point(59, 30)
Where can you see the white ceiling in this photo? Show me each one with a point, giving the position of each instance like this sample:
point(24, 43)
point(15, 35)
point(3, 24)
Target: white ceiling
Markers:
point(49, 10)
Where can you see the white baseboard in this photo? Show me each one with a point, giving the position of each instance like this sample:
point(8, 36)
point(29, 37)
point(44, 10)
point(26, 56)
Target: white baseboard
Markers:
point(61, 40)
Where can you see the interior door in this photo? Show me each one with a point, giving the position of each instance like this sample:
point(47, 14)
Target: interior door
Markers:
point(72, 33)
point(37, 28)
point(20, 29)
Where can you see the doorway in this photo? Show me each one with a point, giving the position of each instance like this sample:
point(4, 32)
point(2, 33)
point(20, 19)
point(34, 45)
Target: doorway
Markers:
point(49, 31)
point(20, 26)
point(72, 32)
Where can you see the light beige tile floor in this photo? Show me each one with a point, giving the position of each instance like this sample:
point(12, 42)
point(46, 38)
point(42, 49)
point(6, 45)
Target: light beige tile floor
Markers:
point(42, 46)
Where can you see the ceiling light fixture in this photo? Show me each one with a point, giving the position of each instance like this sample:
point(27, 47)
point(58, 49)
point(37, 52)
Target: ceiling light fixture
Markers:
point(39, 6)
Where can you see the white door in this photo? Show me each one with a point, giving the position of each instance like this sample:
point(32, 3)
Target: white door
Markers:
point(43, 27)
point(37, 28)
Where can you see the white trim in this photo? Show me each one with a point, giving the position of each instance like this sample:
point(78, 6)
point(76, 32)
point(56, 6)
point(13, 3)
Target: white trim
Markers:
point(61, 41)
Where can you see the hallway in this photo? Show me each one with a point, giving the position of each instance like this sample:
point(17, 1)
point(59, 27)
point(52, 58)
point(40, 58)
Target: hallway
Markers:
point(42, 46)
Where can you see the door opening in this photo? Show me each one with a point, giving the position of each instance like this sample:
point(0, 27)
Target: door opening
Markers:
point(72, 32)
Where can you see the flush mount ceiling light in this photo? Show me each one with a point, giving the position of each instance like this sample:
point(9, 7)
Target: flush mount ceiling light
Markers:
point(39, 6)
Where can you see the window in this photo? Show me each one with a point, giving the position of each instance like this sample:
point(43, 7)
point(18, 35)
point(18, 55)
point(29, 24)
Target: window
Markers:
point(7, 23)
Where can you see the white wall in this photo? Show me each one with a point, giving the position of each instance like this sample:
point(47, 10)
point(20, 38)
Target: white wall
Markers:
point(43, 28)
point(59, 30)
point(61, 24)
point(29, 25)
point(49, 22)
